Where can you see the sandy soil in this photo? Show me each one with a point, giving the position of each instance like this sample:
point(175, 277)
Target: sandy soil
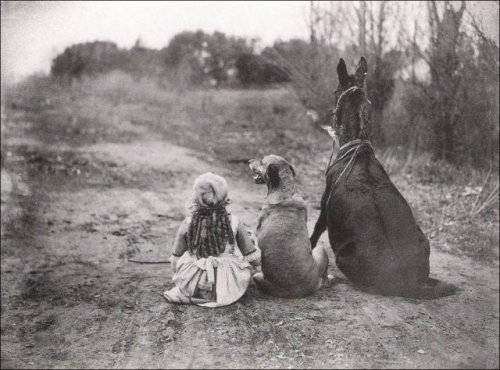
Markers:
point(72, 215)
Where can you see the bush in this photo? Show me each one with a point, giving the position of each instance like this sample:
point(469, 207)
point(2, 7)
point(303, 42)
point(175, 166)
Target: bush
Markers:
point(254, 69)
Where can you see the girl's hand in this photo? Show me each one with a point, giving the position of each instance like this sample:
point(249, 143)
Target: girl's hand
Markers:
point(173, 261)
point(257, 269)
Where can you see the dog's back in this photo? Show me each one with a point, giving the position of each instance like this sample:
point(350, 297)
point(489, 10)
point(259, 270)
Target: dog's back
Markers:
point(287, 262)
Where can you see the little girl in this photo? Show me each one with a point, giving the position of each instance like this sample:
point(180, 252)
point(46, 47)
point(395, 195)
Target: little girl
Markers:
point(213, 253)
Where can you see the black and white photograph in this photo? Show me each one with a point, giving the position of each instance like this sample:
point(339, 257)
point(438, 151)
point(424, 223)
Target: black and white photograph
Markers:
point(250, 184)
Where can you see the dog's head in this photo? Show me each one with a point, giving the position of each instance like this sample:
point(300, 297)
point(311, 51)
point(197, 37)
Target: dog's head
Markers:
point(272, 170)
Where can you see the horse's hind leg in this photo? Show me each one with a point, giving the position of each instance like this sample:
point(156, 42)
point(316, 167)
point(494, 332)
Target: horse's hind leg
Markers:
point(321, 260)
point(319, 228)
point(321, 224)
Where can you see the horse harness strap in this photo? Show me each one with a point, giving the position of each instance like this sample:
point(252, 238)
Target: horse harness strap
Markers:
point(347, 145)
point(354, 147)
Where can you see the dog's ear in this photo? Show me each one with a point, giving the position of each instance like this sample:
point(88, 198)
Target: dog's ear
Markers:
point(273, 175)
point(291, 169)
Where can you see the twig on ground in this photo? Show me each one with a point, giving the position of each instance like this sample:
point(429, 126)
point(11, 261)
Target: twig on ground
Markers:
point(148, 262)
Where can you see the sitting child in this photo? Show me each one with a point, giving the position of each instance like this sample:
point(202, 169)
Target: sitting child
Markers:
point(213, 253)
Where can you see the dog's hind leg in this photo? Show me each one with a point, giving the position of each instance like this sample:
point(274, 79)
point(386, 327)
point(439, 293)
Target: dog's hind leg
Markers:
point(262, 284)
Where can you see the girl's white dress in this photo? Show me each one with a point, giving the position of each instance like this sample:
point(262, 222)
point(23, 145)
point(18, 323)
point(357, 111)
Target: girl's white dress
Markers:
point(214, 281)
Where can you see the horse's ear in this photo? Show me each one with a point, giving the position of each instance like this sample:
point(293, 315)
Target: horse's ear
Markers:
point(342, 73)
point(361, 71)
point(292, 169)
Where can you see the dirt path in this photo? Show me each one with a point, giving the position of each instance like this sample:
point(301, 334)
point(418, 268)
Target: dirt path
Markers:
point(71, 218)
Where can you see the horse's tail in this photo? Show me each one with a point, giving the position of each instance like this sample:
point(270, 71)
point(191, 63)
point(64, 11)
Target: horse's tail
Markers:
point(429, 289)
point(432, 289)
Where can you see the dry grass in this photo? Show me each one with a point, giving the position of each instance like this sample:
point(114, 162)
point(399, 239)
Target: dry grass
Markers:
point(70, 299)
point(458, 206)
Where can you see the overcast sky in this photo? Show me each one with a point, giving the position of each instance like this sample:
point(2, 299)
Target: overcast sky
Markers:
point(32, 33)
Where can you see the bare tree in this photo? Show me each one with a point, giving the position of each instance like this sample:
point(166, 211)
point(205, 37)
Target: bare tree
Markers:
point(444, 90)
point(311, 66)
point(357, 30)
point(368, 24)
point(458, 98)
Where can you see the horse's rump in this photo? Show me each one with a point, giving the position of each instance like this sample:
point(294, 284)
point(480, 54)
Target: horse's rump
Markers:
point(372, 230)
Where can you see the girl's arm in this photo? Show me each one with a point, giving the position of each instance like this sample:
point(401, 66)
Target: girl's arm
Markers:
point(249, 250)
point(180, 244)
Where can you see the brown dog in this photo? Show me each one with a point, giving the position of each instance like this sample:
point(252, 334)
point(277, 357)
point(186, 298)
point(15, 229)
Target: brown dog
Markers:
point(289, 267)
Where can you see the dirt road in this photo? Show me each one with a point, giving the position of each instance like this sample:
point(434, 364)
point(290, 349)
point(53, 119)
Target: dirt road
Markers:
point(72, 215)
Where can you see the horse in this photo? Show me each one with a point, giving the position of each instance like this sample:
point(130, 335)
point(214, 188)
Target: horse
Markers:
point(377, 242)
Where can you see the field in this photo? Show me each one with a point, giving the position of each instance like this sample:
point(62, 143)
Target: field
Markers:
point(98, 172)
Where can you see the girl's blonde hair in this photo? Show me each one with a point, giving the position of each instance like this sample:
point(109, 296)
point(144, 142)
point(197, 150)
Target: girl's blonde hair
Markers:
point(210, 228)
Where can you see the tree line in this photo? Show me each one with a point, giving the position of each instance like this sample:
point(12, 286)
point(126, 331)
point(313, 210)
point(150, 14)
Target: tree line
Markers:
point(433, 80)
point(203, 59)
